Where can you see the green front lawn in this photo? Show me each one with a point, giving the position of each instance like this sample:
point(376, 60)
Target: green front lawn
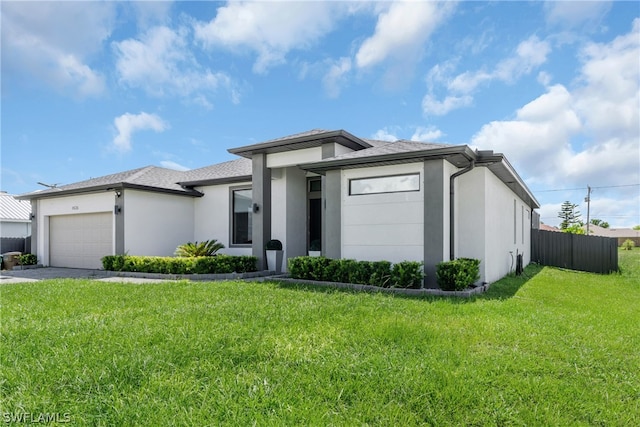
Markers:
point(561, 348)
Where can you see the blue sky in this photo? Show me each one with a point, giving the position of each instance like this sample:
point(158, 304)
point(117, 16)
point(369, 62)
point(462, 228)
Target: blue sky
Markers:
point(93, 88)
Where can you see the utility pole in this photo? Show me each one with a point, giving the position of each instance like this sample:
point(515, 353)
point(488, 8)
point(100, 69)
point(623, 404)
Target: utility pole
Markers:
point(588, 200)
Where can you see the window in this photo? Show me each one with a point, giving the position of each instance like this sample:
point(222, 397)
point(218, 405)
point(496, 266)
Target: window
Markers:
point(241, 219)
point(384, 184)
point(515, 213)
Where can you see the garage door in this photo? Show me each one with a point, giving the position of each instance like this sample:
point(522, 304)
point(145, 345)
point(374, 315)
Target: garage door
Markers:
point(80, 241)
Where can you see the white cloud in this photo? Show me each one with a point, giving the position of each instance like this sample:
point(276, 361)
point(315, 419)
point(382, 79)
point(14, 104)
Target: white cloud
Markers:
point(128, 123)
point(336, 77)
point(427, 134)
point(432, 106)
point(270, 29)
point(573, 13)
point(529, 54)
point(51, 41)
point(161, 63)
point(384, 135)
point(587, 136)
point(173, 165)
point(401, 32)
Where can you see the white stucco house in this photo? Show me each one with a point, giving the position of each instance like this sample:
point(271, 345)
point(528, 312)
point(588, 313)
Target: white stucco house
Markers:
point(361, 198)
point(15, 216)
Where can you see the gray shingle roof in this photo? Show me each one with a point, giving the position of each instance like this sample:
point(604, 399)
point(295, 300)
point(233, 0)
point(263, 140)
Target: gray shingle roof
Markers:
point(227, 171)
point(12, 209)
point(382, 148)
point(152, 177)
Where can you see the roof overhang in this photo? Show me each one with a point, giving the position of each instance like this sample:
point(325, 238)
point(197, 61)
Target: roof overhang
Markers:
point(301, 142)
point(459, 156)
point(216, 181)
point(107, 187)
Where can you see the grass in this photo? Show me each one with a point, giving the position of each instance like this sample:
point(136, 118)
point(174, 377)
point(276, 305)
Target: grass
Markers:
point(555, 348)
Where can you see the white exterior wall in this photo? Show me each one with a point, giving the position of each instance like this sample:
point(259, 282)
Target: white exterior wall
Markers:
point(289, 211)
point(340, 149)
point(15, 228)
point(212, 216)
point(155, 224)
point(387, 226)
point(486, 226)
point(295, 157)
point(68, 205)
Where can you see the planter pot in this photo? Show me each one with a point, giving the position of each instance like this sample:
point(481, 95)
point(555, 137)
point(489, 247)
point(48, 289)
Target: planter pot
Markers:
point(315, 253)
point(274, 261)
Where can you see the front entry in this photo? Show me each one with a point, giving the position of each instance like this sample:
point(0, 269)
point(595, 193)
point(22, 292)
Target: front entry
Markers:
point(314, 213)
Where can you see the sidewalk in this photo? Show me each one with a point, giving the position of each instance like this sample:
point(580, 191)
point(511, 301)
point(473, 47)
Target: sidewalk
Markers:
point(36, 274)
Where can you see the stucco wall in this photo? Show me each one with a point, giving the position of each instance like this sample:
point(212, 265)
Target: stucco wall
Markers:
point(292, 158)
point(212, 216)
point(487, 225)
point(386, 226)
point(155, 223)
point(68, 205)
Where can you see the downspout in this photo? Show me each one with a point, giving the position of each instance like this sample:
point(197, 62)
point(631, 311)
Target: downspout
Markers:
point(452, 191)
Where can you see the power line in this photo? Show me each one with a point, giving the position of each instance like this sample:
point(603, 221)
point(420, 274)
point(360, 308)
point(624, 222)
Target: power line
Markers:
point(582, 188)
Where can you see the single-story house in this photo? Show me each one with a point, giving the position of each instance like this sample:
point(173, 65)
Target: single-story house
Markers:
point(361, 198)
point(621, 234)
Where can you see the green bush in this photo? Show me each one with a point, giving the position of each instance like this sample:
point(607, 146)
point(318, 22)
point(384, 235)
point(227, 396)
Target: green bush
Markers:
point(219, 264)
point(407, 274)
point(206, 248)
point(628, 245)
point(457, 275)
point(28, 259)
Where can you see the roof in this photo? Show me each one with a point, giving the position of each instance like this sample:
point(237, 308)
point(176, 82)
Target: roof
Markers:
point(14, 210)
point(298, 141)
point(231, 171)
point(151, 178)
point(596, 230)
point(411, 151)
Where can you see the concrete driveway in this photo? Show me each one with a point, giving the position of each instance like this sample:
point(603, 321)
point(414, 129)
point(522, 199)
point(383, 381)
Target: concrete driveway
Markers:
point(36, 274)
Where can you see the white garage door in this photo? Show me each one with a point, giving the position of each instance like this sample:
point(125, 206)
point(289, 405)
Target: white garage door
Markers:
point(80, 241)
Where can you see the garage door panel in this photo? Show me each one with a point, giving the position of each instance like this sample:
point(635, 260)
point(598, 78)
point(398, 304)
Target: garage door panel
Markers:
point(80, 241)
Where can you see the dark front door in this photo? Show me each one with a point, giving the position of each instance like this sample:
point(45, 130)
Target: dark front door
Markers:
point(314, 211)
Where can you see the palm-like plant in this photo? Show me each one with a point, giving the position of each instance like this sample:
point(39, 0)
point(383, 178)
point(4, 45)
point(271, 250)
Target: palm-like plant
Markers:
point(206, 248)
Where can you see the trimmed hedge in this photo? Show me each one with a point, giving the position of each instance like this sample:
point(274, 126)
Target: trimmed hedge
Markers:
point(407, 274)
point(219, 264)
point(458, 274)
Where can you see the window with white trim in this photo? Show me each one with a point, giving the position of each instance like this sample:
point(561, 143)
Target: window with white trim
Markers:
point(241, 216)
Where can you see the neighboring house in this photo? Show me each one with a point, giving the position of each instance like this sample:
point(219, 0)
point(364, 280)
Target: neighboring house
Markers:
point(546, 227)
point(15, 216)
point(363, 199)
point(621, 234)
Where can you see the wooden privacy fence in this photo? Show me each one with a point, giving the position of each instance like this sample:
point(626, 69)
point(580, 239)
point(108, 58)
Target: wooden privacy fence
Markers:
point(574, 251)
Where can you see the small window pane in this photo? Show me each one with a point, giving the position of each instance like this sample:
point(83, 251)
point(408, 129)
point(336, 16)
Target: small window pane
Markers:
point(315, 185)
point(385, 184)
point(242, 217)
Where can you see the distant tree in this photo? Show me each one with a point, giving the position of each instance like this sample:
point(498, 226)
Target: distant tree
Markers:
point(636, 227)
point(600, 223)
point(569, 215)
point(575, 229)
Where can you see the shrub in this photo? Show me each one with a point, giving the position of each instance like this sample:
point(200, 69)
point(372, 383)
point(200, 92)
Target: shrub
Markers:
point(206, 248)
point(273, 245)
point(407, 274)
point(220, 264)
point(28, 259)
point(628, 244)
point(457, 275)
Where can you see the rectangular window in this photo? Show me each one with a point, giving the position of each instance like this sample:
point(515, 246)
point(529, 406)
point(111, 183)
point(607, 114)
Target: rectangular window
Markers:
point(515, 218)
point(241, 220)
point(522, 225)
point(384, 184)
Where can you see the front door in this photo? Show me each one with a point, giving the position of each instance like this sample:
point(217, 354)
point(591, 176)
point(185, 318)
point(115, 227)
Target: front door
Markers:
point(314, 213)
